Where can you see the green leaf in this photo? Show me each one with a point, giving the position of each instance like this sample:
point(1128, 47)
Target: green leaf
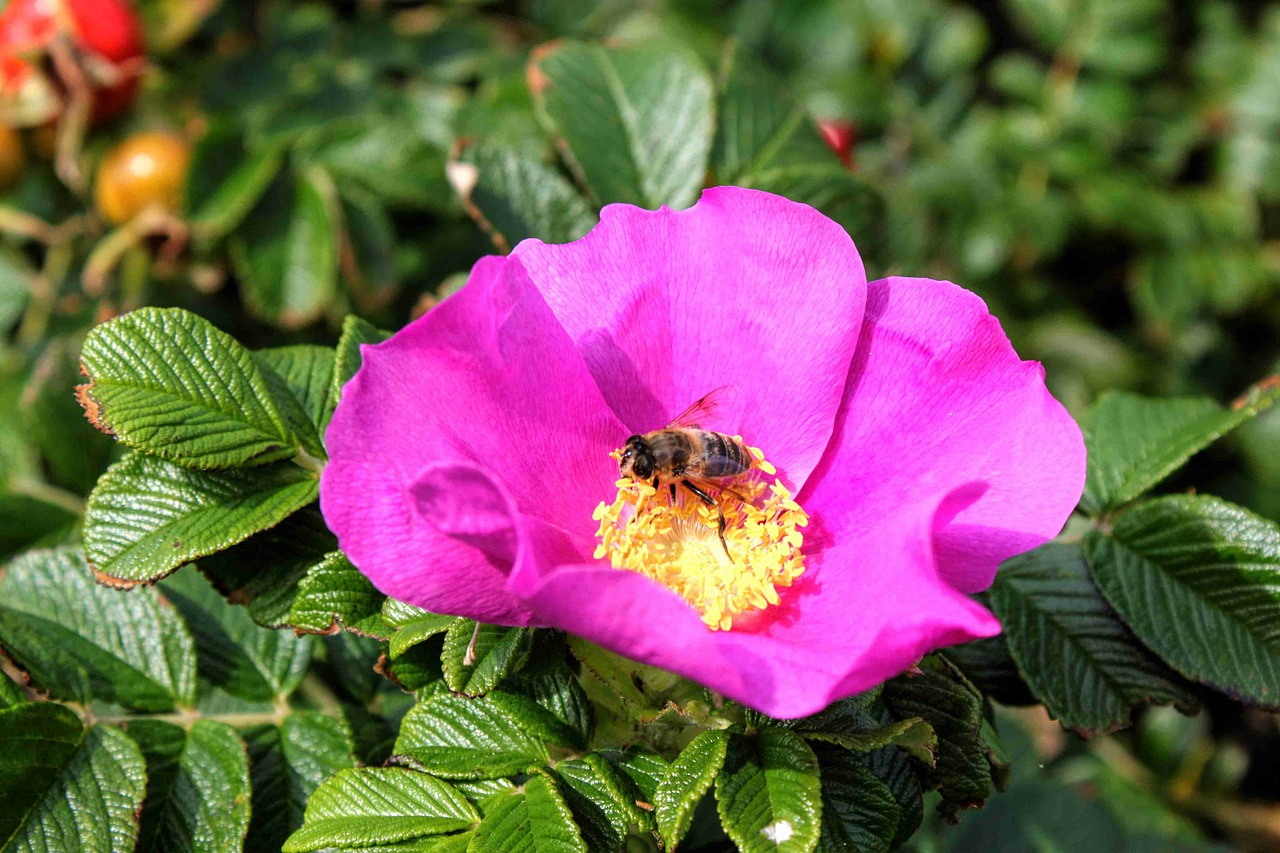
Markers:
point(912, 734)
point(235, 653)
point(1135, 442)
point(197, 787)
point(645, 769)
point(894, 769)
point(380, 805)
point(419, 667)
point(768, 793)
point(859, 812)
point(758, 124)
point(167, 382)
point(334, 593)
point(225, 181)
point(397, 613)
point(513, 197)
point(26, 522)
point(286, 253)
point(535, 820)
point(990, 668)
point(147, 517)
point(942, 697)
point(391, 161)
point(460, 738)
point(369, 264)
point(84, 641)
point(307, 371)
point(10, 693)
point(536, 720)
point(417, 630)
point(612, 671)
point(355, 332)
point(636, 122)
point(287, 764)
point(686, 782)
point(353, 663)
point(1045, 814)
point(73, 451)
point(15, 289)
point(603, 801)
point(263, 572)
point(1210, 568)
point(63, 787)
point(476, 668)
point(1072, 649)
point(552, 685)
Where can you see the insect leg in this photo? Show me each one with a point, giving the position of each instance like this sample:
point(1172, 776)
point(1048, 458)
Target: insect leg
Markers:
point(710, 501)
point(673, 492)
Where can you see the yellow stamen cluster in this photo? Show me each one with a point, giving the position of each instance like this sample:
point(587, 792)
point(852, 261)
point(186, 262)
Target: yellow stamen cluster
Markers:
point(675, 541)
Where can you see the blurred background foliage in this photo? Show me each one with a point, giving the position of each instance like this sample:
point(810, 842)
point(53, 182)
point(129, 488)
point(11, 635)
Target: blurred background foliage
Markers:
point(1105, 174)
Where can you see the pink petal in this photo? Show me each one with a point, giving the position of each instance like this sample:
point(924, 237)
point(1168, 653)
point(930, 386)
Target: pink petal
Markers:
point(486, 382)
point(938, 398)
point(836, 633)
point(949, 455)
point(745, 288)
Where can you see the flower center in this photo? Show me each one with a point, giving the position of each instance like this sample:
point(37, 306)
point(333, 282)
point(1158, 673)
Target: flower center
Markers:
point(676, 540)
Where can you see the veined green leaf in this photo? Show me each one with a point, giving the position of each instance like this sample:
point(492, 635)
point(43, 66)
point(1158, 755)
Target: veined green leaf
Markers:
point(768, 793)
point(197, 787)
point(84, 641)
point(513, 197)
point(1135, 442)
point(942, 697)
point(602, 800)
point(64, 787)
point(912, 734)
point(460, 738)
point(859, 812)
point(687, 780)
point(307, 372)
point(334, 592)
point(287, 764)
point(475, 668)
point(759, 125)
point(167, 382)
point(416, 630)
point(380, 805)
point(636, 122)
point(147, 516)
point(235, 653)
point(225, 181)
point(1072, 649)
point(895, 770)
point(286, 254)
point(552, 685)
point(535, 820)
point(1208, 567)
point(355, 332)
point(645, 769)
point(264, 571)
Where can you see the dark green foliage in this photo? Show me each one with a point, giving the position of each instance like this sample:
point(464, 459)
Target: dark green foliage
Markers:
point(1103, 174)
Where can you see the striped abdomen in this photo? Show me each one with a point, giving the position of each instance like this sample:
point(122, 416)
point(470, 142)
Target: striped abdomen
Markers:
point(720, 456)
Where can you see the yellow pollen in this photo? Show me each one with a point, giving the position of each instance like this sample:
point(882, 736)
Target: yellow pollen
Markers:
point(675, 541)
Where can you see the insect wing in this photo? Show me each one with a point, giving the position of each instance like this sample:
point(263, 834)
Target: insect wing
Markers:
point(714, 409)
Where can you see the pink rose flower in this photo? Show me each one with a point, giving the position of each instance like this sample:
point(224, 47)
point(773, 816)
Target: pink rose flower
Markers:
point(473, 459)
